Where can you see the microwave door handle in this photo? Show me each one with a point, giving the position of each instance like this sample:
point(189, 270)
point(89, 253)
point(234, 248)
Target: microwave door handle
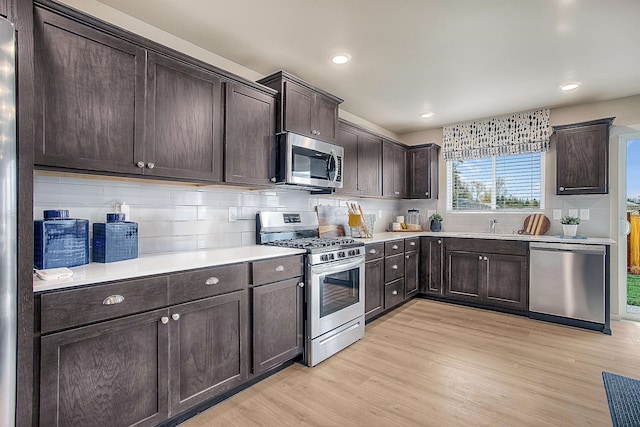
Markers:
point(335, 163)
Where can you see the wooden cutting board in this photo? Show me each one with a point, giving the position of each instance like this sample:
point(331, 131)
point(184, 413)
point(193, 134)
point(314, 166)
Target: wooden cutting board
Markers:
point(333, 221)
point(536, 225)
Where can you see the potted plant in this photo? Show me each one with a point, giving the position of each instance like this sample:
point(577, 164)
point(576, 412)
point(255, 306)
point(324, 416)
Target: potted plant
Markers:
point(436, 222)
point(569, 225)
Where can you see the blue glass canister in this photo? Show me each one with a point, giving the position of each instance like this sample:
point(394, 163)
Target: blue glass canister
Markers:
point(60, 241)
point(115, 240)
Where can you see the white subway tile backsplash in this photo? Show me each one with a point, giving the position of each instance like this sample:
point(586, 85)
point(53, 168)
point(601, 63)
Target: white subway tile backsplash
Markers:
point(184, 228)
point(154, 229)
point(193, 198)
point(206, 213)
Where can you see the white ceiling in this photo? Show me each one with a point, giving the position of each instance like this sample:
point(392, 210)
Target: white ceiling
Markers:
point(460, 59)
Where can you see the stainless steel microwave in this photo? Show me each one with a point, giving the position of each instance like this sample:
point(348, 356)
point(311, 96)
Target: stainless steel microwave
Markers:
point(308, 162)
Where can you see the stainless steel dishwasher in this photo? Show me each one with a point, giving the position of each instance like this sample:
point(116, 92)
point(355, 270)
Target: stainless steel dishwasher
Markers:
point(567, 284)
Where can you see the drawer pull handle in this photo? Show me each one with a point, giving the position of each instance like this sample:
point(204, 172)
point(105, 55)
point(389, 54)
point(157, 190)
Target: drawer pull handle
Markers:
point(301, 284)
point(280, 268)
point(480, 257)
point(113, 299)
point(175, 316)
point(412, 243)
point(485, 258)
point(406, 256)
point(395, 267)
point(164, 320)
point(394, 247)
point(395, 292)
point(373, 251)
point(213, 280)
point(439, 241)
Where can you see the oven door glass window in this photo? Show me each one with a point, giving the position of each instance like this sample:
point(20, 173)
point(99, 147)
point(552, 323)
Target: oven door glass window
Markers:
point(339, 290)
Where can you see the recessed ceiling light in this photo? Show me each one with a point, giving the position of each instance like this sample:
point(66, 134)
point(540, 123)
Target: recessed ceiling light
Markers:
point(570, 85)
point(340, 58)
point(426, 115)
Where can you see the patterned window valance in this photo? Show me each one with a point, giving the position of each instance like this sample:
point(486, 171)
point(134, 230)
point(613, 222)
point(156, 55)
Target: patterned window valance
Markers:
point(519, 133)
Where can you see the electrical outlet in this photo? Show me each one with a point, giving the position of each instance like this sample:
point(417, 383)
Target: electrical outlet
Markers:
point(557, 214)
point(380, 214)
point(233, 214)
point(573, 212)
point(584, 214)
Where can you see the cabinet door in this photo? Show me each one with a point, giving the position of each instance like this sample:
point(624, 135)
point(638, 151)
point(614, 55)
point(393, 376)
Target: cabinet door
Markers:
point(183, 128)
point(423, 172)
point(393, 170)
point(325, 119)
point(394, 268)
point(464, 273)
point(277, 323)
point(249, 136)
point(348, 140)
point(374, 288)
point(369, 165)
point(431, 268)
point(582, 160)
point(410, 274)
point(208, 349)
point(90, 86)
point(298, 109)
point(505, 281)
point(111, 373)
point(393, 293)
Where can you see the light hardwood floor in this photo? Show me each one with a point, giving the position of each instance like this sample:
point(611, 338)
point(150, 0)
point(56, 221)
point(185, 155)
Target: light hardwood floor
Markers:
point(436, 364)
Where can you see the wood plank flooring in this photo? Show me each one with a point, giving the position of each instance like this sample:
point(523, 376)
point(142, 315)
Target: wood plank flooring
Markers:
point(436, 364)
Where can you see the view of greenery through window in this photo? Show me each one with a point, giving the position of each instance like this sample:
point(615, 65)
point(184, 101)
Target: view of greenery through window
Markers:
point(633, 215)
point(496, 183)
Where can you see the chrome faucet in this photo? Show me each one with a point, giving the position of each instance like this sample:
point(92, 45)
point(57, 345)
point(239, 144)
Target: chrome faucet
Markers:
point(492, 226)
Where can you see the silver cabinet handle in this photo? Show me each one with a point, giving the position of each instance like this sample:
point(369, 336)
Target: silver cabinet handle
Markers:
point(151, 165)
point(412, 243)
point(439, 241)
point(561, 188)
point(395, 292)
point(140, 165)
point(280, 268)
point(407, 256)
point(113, 299)
point(395, 267)
point(373, 251)
point(485, 258)
point(175, 316)
point(273, 179)
point(164, 320)
point(301, 284)
point(213, 280)
point(426, 194)
point(480, 257)
point(394, 247)
point(396, 192)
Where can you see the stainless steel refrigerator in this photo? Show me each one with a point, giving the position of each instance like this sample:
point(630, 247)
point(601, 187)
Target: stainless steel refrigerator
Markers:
point(8, 225)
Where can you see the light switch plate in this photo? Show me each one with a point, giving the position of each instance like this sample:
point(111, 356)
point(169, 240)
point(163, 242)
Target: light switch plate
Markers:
point(557, 214)
point(573, 212)
point(584, 214)
point(233, 214)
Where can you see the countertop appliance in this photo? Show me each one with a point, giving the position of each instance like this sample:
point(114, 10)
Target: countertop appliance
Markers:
point(567, 284)
point(308, 162)
point(8, 226)
point(334, 281)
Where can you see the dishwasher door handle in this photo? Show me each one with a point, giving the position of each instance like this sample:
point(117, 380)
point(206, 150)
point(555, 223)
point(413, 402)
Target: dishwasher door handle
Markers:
point(567, 247)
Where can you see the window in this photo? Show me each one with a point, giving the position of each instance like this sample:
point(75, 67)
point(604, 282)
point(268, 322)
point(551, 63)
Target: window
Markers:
point(506, 184)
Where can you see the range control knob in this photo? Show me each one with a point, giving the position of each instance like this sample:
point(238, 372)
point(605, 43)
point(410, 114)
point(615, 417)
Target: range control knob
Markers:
point(341, 255)
point(324, 257)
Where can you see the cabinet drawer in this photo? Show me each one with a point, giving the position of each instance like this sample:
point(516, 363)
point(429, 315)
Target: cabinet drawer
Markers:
point(506, 247)
point(66, 309)
point(207, 282)
point(393, 293)
point(412, 244)
point(394, 247)
point(274, 270)
point(374, 251)
point(393, 268)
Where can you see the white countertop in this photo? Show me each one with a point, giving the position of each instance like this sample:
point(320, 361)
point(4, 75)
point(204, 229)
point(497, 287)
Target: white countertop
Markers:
point(386, 236)
point(147, 265)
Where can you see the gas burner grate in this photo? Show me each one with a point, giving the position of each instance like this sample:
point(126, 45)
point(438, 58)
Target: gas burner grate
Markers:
point(314, 242)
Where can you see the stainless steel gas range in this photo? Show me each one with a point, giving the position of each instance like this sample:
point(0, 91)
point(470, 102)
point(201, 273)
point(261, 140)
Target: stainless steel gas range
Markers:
point(334, 278)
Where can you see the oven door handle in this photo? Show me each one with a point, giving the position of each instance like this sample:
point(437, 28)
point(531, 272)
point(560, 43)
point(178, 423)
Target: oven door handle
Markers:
point(332, 267)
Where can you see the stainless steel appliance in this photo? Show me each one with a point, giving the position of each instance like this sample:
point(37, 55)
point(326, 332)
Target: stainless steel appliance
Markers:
point(8, 225)
point(568, 284)
point(308, 162)
point(334, 315)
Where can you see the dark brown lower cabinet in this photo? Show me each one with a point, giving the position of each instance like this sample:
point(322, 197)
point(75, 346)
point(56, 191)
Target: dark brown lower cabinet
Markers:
point(410, 274)
point(506, 281)
point(112, 373)
point(393, 293)
point(209, 352)
point(464, 275)
point(278, 325)
point(431, 267)
point(374, 288)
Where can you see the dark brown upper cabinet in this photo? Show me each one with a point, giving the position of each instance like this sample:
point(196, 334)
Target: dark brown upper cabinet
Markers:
point(394, 163)
point(303, 108)
point(90, 88)
point(249, 135)
point(423, 171)
point(183, 133)
point(362, 161)
point(582, 162)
